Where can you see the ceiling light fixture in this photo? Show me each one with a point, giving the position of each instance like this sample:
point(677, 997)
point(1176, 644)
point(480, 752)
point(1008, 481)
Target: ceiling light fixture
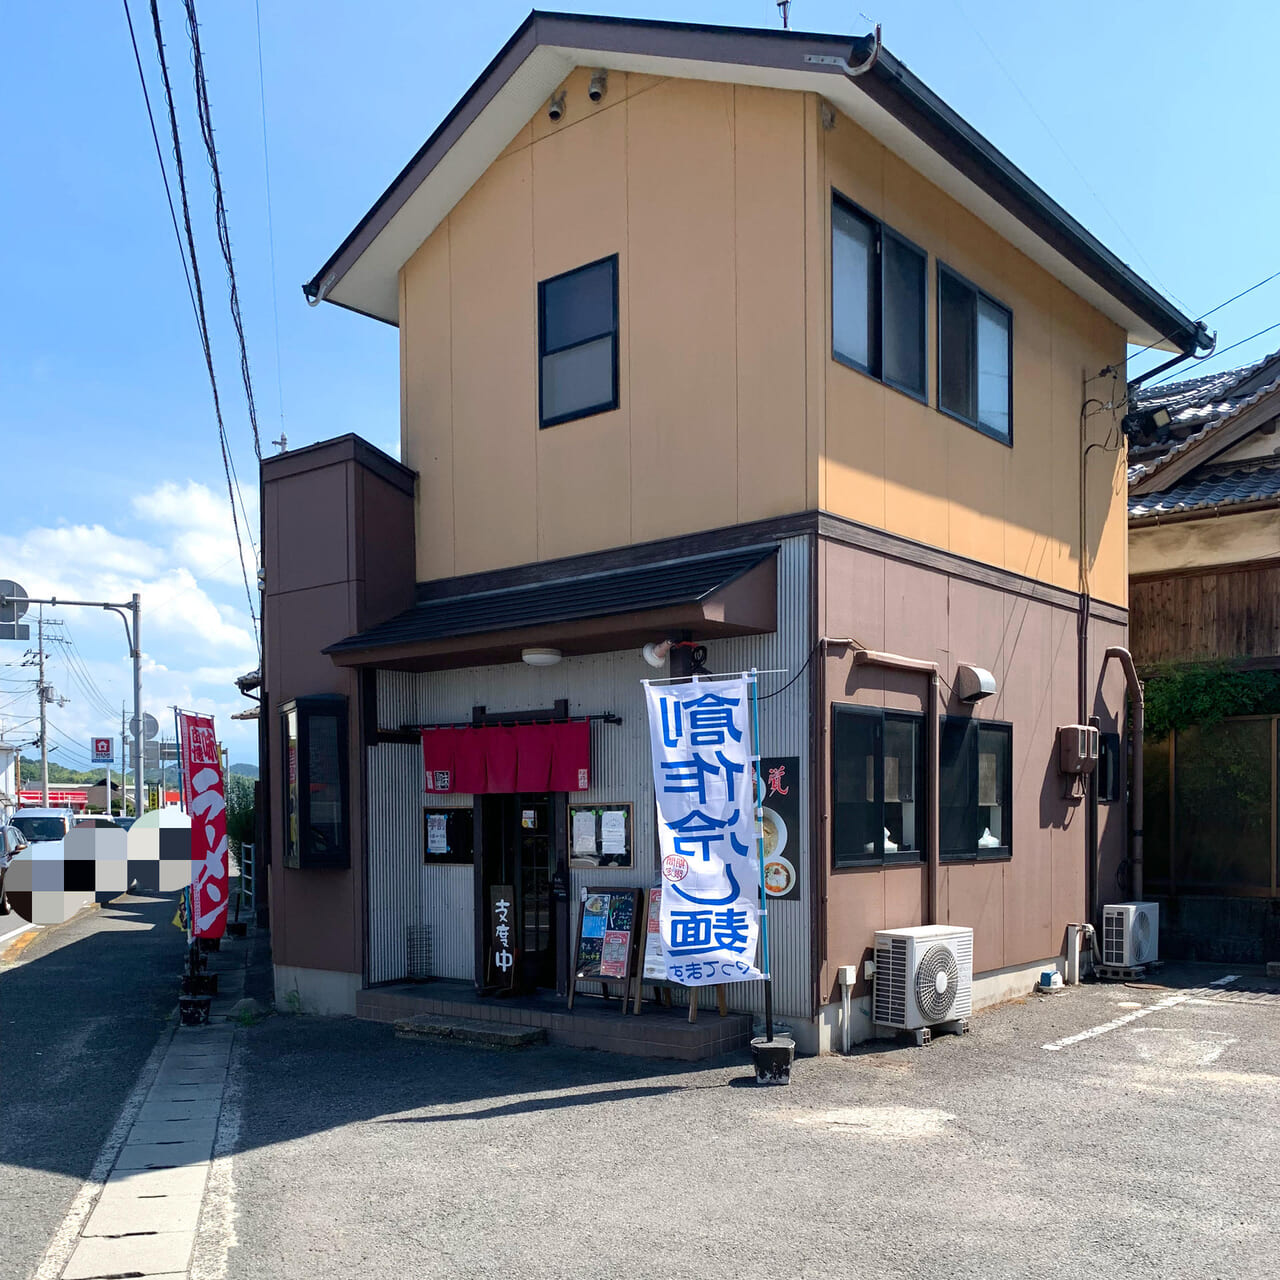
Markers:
point(540, 657)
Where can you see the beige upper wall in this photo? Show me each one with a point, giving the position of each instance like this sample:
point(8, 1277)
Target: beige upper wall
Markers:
point(1214, 539)
point(716, 199)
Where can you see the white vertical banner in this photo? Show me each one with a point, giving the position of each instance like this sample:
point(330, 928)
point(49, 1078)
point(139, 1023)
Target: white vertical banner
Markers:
point(700, 735)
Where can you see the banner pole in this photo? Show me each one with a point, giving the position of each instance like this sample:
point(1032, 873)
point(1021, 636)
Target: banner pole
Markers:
point(757, 786)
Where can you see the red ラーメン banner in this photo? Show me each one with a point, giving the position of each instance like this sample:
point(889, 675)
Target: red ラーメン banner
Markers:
point(206, 803)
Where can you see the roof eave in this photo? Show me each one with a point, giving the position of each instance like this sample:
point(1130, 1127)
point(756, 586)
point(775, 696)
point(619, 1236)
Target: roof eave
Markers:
point(547, 45)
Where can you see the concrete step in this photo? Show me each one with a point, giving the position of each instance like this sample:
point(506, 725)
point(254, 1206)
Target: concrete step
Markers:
point(495, 1035)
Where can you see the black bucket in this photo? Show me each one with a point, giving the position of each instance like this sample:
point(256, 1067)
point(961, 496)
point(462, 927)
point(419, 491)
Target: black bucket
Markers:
point(237, 928)
point(773, 1059)
point(194, 1010)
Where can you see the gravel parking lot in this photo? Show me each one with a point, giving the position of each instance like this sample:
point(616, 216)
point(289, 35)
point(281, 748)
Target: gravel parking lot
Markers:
point(1145, 1149)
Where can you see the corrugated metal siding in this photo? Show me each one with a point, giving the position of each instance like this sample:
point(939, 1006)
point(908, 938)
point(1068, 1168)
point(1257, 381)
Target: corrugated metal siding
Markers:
point(449, 911)
point(620, 765)
point(395, 857)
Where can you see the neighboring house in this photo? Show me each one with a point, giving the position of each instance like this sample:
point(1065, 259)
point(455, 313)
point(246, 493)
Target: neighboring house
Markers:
point(1204, 586)
point(704, 341)
point(9, 756)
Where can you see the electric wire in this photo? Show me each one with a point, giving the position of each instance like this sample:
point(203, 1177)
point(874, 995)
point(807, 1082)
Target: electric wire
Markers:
point(199, 295)
point(1181, 373)
point(1275, 275)
point(220, 214)
point(1008, 75)
point(271, 233)
point(155, 137)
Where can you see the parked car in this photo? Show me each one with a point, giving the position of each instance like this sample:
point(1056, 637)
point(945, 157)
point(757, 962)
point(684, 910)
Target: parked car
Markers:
point(12, 841)
point(97, 820)
point(125, 823)
point(42, 825)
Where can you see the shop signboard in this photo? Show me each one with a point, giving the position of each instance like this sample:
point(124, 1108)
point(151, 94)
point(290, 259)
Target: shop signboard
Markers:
point(779, 790)
point(701, 740)
point(103, 750)
point(655, 962)
point(206, 803)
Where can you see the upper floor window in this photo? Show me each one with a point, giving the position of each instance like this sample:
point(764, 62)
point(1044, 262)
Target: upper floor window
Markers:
point(877, 761)
point(975, 356)
point(976, 789)
point(878, 283)
point(578, 343)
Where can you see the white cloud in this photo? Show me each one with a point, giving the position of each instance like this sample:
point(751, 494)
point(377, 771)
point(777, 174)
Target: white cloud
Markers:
point(196, 632)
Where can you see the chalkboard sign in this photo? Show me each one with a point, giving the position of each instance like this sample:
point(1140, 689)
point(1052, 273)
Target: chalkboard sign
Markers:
point(607, 938)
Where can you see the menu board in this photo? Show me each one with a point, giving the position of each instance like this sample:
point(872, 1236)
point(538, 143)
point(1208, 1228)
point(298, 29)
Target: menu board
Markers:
point(600, 835)
point(655, 957)
point(606, 947)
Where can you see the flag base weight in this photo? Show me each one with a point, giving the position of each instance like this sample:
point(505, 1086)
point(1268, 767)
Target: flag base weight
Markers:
point(772, 1057)
point(193, 1011)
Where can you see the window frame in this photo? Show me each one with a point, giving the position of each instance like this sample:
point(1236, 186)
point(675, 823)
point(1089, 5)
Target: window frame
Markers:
point(978, 292)
point(998, 853)
point(301, 854)
point(880, 230)
point(881, 859)
point(604, 406)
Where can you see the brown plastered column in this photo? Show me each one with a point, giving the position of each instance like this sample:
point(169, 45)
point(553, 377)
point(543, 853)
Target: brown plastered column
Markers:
point(338, 557)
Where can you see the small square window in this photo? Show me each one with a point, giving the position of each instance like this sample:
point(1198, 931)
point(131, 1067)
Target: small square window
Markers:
point(877, 762)
point(975, 357)
point(976, 789)
point(578, 343)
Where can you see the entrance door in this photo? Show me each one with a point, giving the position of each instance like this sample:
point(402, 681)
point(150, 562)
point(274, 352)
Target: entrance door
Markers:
point(518, 850)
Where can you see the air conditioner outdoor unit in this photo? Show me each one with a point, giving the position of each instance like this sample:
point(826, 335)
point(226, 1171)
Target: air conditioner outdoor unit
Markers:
point(1130, 934)
point(923, 977)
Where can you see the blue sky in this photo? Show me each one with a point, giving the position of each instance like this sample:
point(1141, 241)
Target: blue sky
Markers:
point(1150, 124)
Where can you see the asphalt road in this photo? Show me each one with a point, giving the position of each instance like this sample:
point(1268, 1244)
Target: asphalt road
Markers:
point(79, 1013)
point(1146, 1150)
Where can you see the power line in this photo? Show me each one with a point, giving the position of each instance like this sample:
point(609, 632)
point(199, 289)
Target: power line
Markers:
point(1275, 275)
point(271, 234)
point(199, 297)
point(1181, 373)
point(164, 173)
point(977, 31)
point(220, 213)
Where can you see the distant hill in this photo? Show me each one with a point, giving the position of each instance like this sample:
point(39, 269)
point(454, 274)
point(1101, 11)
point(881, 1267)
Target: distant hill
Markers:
point(60, 774)
point(244, 770)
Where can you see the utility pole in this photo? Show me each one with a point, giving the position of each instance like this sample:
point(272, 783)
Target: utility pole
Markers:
point(43, 694)
point(124, 766)
point(134, 637)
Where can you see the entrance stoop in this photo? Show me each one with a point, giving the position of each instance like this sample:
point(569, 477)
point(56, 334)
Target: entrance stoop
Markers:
point(593, 1024)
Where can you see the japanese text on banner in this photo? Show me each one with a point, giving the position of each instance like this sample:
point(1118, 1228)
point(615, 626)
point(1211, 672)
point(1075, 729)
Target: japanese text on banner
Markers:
point(206, 803)
point(700, 735)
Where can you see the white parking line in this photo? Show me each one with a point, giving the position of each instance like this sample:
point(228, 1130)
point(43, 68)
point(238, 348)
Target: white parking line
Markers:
point(1222, 982)
point(1167, 1003)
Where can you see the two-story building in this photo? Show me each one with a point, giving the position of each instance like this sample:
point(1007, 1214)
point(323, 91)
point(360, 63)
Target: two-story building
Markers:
point(742, 341)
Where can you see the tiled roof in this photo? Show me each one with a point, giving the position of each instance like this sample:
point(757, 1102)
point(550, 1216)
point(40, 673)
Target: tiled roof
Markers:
point(1197, 406)
point(598, 595)
point(1210, 489)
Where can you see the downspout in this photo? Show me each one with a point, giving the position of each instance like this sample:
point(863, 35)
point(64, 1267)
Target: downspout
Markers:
point(1125, 659)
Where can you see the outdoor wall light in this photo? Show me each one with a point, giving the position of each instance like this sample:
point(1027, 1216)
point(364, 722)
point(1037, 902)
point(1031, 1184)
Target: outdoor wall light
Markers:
point(656, 654)
point(598, 86)
point(1161, 418)
point(540, 657)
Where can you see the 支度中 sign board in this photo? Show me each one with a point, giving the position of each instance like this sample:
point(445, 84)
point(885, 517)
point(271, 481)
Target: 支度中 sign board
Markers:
point(700, 735)
point(502, 935)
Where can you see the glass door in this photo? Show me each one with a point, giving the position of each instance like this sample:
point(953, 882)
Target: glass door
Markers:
point(535, 867)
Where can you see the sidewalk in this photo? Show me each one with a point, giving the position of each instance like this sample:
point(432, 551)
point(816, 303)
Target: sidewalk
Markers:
point(164, 1173)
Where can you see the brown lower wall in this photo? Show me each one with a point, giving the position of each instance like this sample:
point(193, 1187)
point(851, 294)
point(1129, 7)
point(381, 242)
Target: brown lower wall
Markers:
point(1018, 908)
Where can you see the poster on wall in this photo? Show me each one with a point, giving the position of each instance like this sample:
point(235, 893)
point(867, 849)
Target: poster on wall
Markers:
point(600, 835)
point(779, 789)
point(700, 736)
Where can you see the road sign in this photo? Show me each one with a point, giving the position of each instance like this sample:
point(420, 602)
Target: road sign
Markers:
point(103, 750)
point(11, 610)
point(150, 725)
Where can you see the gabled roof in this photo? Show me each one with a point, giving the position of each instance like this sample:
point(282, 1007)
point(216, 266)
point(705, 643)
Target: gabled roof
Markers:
point(888, 101)
point(1211, 490)
point(1208, 415)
